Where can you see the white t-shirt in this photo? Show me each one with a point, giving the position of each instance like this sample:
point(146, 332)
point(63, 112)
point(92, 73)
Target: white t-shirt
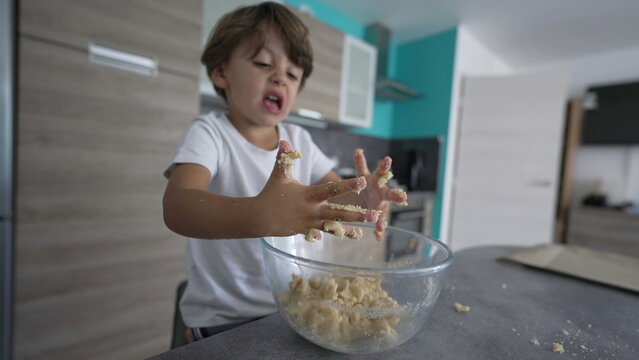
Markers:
point(226, 278)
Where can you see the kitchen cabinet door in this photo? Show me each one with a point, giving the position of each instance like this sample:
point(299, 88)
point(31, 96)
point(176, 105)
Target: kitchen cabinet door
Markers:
point(358, 83)
point(96, 268)
point(321, 93)
point(167, 30)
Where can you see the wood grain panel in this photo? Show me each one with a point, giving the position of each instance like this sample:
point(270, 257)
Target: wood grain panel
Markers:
point(322, 90)
point(571, 143)
point(164, 29)
point(96, 267)
point(604, 230)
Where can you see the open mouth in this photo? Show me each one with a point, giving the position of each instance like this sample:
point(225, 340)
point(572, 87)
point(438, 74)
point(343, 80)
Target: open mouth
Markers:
point(273, 103)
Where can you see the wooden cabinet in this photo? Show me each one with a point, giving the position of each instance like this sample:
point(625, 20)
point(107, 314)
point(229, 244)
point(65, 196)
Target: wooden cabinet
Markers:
point(342, 85)
point(358, 83)
point(322, 90)
point(604, 229)
point(162, 29)
point(96, 268)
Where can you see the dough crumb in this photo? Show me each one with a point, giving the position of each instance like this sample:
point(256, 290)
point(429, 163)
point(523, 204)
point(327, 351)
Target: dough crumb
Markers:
point(384, 178)
point(286, 161)
point(355, 208)
point(534, 341)
point(504, 286)
point(399, 191)
point(309, 237)
point(361, 185)
point(565, 332)
point(335, 228)
point(557, 347)
point(461, 308)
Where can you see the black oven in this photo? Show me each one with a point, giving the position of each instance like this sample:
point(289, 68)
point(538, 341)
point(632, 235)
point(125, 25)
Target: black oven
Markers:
point(415, 217)
point(412, 220)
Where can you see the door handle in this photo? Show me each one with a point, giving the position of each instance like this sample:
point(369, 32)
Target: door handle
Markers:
point(123, 60)
point(539, 183)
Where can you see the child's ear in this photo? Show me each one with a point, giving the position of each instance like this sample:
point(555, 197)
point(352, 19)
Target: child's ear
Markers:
point(218, 77)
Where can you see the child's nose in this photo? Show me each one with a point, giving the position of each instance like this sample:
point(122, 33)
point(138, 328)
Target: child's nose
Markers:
point(278, 77)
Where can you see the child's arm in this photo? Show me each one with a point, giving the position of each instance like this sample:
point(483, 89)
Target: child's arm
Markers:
point(284, 207)
point(376, 195)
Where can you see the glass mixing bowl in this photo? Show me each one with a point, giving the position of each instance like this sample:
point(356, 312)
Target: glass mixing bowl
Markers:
point(356, 296)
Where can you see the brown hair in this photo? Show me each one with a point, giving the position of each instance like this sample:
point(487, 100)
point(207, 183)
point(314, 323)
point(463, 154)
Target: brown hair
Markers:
point(243, 23)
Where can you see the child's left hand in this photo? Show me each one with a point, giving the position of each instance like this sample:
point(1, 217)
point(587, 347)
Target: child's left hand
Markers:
point(377, 195)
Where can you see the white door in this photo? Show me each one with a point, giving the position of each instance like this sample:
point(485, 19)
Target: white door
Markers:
point(508, 159)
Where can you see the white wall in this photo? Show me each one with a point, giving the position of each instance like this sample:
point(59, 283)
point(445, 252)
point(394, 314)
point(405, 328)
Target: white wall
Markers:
point(617, 167)
point(472, 58)
point(600, 69)
point(611, 169)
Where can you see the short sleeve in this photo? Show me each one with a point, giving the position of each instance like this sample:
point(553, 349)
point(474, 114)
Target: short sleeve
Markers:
point(321, 163)
point(200, 144)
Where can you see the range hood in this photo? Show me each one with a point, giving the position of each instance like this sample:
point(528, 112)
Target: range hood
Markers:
point(386, 89)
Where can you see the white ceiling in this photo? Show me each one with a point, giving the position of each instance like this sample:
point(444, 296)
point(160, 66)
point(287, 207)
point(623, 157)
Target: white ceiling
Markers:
point(521, 32)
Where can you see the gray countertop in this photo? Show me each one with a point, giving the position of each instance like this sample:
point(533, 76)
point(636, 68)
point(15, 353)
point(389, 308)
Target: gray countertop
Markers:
point(510, 304)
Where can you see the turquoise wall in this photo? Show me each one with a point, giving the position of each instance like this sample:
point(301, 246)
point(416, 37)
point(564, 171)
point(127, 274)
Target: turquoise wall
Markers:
point(332, 17)
point(427, 65)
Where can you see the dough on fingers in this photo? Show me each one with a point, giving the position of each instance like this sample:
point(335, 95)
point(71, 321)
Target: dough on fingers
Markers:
point(286, 161)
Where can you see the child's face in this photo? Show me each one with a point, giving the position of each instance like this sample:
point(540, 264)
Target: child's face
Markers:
point(260, 90)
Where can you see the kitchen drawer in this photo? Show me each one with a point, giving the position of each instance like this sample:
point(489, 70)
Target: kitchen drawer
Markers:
point(95, 263)
point(167, 30)
point(322, 90)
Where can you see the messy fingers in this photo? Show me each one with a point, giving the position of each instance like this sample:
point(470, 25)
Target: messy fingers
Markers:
point(380, 226)
point(397, 196)
point(340, 230)
point(312, 235)
point(326, 191)
point(382, 173)
point(349, 213)
point(361, 168)
point(353, 232)
point(284, 164)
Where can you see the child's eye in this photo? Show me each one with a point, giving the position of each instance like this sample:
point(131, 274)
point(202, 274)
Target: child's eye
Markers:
point(292, 76)
point(261, 64)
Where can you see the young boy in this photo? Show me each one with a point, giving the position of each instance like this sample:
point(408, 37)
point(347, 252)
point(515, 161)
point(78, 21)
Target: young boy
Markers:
point(231, 181)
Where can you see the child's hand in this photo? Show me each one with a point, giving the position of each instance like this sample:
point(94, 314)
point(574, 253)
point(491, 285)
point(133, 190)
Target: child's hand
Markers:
point(286, 207)
point(377, 195)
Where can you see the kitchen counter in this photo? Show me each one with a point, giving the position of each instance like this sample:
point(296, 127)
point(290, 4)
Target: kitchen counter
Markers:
point(510, 305)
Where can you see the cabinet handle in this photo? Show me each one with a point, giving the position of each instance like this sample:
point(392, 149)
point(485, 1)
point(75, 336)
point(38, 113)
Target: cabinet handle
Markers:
point(123, 60)
point(310, 113)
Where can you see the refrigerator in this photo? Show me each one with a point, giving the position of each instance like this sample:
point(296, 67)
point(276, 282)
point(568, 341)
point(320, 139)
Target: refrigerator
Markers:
point(7, 116)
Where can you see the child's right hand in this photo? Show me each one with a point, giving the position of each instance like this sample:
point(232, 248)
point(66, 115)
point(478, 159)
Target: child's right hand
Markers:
point(287, 207)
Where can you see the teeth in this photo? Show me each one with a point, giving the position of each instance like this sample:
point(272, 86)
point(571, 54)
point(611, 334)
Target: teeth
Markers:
point(273, 97)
